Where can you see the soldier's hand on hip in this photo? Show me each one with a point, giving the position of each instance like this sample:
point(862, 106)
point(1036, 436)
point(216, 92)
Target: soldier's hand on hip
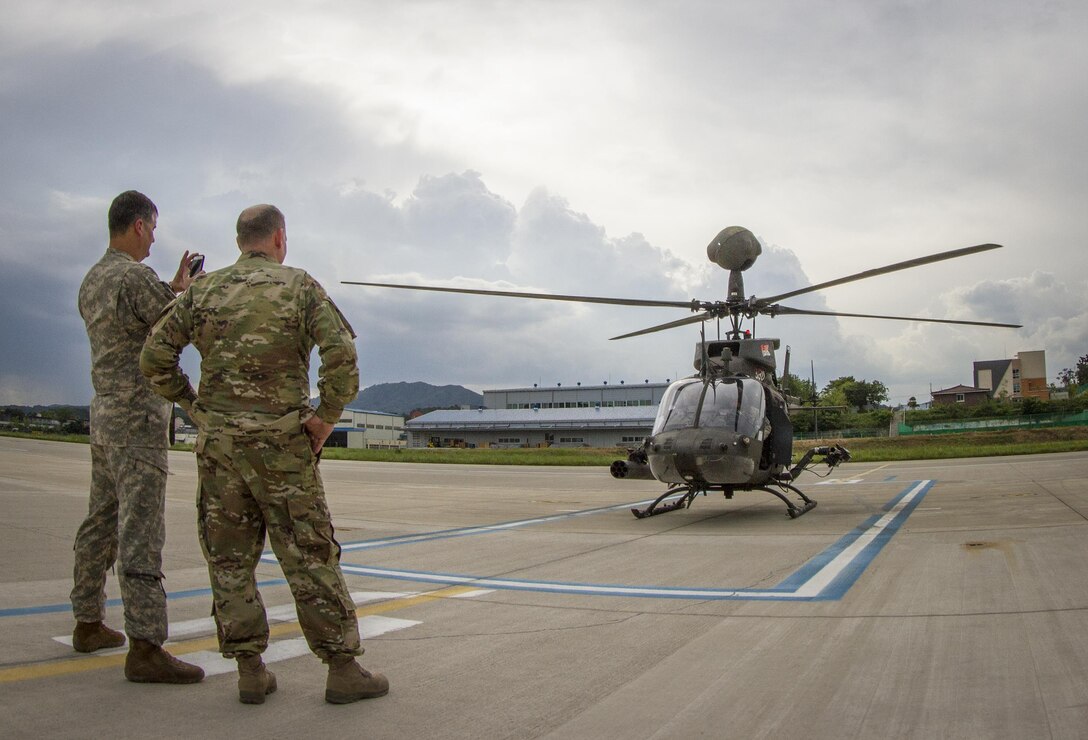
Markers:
point(318, 431)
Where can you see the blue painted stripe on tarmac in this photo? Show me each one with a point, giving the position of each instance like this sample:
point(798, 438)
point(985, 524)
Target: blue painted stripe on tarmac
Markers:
point(788, 589)
point(411, 539)
point(808, 570)
point(591, 589)
point(895, 501)
point(842, 575)
point(54, 608)
point(841, 584)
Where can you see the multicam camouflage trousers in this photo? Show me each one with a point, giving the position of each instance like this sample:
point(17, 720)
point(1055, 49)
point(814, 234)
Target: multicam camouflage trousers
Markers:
point(250, 484)
point(124, 518)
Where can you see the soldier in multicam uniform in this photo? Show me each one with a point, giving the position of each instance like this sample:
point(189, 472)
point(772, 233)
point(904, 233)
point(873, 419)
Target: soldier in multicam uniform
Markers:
point(255, 324)
point(119, 300)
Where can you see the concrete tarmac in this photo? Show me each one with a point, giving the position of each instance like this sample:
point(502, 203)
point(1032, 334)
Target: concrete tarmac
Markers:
point(921, 600)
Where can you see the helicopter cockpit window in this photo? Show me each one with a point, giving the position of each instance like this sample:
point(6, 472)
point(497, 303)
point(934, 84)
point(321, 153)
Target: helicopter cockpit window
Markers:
point(736, 405)
point(679, 406)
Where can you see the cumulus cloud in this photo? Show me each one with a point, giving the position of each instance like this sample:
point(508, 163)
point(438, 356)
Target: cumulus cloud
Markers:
point(1051, 310)
point(570, 148)
point(547, 248)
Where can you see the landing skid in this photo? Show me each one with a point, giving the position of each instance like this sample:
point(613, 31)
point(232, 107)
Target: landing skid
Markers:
point(688, 494)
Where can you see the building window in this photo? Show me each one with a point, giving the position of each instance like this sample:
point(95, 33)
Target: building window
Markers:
point(959, 398)
point(632, 439)
point(570, 440)
point(509, 440)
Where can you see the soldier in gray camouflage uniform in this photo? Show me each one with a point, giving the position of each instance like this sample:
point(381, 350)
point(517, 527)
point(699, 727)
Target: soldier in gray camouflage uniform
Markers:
point(255, 324)
point(119, 300)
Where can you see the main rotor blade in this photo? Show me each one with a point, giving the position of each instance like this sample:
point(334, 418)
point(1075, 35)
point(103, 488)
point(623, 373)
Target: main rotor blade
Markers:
point(884, 270)
point(671, 325)
point(542, 296)
point(783, 310)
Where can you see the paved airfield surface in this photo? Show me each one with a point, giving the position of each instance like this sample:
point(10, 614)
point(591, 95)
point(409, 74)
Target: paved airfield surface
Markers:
point(922, 599)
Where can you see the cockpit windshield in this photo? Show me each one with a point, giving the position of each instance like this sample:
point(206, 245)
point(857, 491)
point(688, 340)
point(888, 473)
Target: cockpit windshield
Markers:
point(735, 404)
point(679, 405)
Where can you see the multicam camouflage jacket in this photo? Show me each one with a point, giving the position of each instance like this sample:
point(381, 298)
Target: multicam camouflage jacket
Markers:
point(254, 324)
point(119, 301)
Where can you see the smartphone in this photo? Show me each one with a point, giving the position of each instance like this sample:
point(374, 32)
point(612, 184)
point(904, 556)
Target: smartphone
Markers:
point(196, 264)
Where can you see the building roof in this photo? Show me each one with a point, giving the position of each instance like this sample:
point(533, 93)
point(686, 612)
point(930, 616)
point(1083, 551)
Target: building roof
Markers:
point(619, 384)
point(607, 417)
point(959, 389)
point(373, 413)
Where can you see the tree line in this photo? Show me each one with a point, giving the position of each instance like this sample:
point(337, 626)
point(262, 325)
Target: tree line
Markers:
point(849, 403)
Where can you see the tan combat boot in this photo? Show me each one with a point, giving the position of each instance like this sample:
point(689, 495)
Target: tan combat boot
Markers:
point(348, 681)
point(148, 663)
point(254, 680)
point(91, 636)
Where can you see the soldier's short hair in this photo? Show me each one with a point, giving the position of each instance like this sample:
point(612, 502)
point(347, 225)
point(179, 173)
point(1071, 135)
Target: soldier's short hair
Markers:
point(127, 208)
point(259, 222)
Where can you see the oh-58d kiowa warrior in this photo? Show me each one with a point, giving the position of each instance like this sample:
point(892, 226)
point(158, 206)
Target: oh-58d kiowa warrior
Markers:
point(727, 427)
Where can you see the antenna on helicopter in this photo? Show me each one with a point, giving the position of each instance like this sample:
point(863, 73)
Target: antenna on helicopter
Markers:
point(704, 366)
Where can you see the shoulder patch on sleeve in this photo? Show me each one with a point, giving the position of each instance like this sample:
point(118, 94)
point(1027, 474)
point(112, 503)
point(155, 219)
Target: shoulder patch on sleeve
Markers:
point(343, 319)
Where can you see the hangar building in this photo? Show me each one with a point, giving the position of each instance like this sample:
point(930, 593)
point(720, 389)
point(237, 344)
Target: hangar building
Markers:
point(373, 430)
point(573, 416)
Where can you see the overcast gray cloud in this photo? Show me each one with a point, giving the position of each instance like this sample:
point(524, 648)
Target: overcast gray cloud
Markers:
point(569, 147)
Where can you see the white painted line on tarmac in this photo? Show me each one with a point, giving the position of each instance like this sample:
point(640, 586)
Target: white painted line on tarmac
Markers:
point(832, 570)
point(370, 627)
point(473, 593)
point(371, 624)
point(284, 613)
point(828, 576)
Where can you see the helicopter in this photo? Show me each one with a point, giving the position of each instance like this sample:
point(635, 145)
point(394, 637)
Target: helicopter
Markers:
point(727, 427)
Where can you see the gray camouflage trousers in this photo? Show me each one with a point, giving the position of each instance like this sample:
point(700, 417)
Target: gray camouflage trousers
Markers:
point(250, 484)
point(125, 520)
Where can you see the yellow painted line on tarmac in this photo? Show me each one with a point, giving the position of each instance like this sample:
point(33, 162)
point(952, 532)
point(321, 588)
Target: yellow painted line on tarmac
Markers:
point(68, 666)
point(874, 470)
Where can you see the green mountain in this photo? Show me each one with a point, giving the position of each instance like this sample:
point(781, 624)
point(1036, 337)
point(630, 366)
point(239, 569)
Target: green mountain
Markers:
point(403, 398)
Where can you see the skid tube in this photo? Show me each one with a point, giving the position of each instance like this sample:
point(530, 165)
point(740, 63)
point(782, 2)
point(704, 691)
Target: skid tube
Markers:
point(689, 492)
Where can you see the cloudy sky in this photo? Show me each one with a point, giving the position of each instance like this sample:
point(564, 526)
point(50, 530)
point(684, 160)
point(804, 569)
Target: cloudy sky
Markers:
point(578, 147)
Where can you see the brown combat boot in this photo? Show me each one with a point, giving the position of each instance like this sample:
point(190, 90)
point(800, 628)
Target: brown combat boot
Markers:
point(348, 681)
point(148, 663)
point(91, 636)
point(255, 681)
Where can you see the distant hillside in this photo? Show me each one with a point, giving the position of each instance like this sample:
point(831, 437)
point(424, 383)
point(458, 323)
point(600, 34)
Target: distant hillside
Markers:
point(392, 398)
point(403, 398)
point(52, 411)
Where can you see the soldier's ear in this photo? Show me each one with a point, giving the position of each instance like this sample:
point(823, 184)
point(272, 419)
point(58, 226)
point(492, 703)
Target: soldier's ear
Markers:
point(281, 244)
